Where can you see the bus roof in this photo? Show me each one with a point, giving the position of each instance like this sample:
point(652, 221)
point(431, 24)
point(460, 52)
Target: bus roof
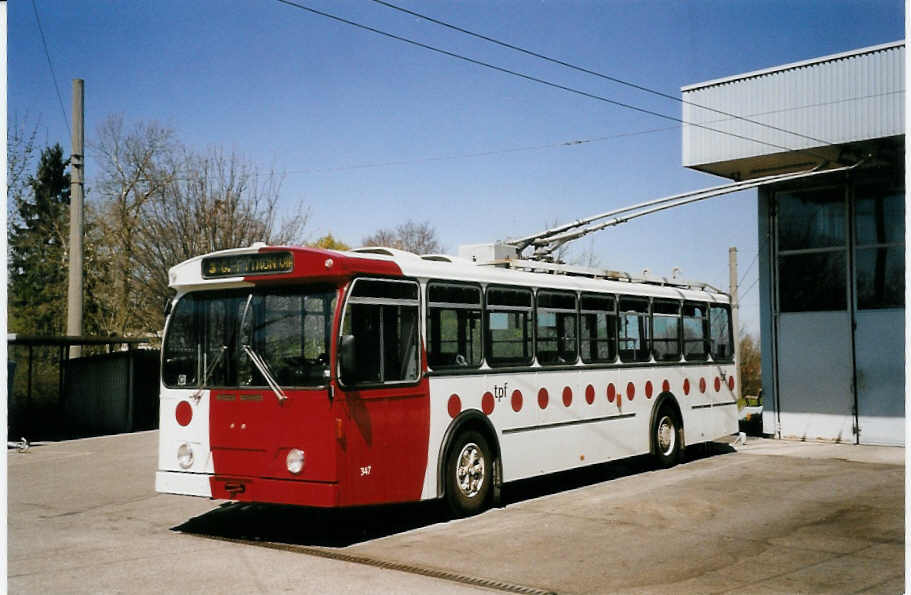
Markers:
point(259, 263)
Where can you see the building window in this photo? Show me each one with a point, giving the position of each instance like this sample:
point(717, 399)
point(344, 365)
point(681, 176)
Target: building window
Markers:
point(555, 339)
point(453, 325)
point(599, 328)
point(509, 332)
point(811, 219)
point(879, 256)
point(812, 250)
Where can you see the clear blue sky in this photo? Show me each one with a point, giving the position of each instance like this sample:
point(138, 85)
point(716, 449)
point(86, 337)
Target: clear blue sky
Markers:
point(319, 99)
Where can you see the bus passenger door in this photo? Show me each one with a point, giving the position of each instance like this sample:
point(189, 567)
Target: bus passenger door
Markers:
point(386, 401)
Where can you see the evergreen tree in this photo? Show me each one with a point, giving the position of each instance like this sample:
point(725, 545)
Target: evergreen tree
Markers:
point(38, 237)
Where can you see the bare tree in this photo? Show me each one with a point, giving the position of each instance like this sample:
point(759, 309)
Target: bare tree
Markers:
point(136, 166)
point(217, 202)
point(20, 160)
point(162, 203)
point(420, 238)
point(587, 257)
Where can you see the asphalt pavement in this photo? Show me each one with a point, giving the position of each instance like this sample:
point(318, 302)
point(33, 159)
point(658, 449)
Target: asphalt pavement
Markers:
point(767, 517)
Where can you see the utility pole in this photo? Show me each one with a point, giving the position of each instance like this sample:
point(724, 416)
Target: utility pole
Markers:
point(77, 164)
point(735, 315)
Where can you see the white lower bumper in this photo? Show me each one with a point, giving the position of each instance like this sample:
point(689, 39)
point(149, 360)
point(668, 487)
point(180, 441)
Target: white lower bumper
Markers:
point(189, 484)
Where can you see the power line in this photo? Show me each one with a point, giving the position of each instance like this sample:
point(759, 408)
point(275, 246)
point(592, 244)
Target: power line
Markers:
point(537, 79)
point(593, 72)
point(745, 293)
point(749, 268)
point(567, 143)
point(50, 65)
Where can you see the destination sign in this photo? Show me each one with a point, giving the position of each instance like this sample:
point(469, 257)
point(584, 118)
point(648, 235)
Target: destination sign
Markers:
point(243, 265)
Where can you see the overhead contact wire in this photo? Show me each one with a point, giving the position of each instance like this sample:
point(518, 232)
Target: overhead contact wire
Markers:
point(582, 69)
point(536, 79)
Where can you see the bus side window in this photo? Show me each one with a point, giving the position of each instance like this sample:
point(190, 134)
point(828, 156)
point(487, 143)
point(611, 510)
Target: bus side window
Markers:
point(555, 339)
point(508, 326)
point(381, 316)
point(453, 325)
point(720, 332)
point(666, 330)
point(634, 339)
point(695, 345)
point(599, 328)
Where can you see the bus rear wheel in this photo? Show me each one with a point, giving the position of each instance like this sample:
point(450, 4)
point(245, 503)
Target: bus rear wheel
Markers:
point(667, 437)
point(469, 474)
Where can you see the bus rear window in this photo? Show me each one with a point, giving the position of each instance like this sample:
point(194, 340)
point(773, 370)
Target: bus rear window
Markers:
point(720, 332)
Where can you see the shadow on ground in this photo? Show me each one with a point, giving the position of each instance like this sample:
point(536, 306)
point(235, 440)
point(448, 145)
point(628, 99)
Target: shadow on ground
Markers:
point(297, 525)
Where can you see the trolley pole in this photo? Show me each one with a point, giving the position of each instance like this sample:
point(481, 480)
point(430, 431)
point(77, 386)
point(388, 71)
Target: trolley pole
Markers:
point(77, 163)
point(735, 315)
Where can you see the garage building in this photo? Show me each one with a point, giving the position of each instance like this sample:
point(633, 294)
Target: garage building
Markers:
point(831, 247)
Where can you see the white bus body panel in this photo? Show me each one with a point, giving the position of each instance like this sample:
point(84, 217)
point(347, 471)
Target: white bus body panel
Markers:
point(171, 477)
point(536, 440)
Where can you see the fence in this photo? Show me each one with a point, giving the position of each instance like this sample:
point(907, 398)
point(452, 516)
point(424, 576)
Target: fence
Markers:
point(113, 389)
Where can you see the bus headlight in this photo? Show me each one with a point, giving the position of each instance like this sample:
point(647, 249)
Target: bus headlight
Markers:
point(185, 456)
point(295, 460)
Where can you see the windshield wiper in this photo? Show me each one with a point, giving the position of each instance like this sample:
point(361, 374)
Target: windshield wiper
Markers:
point(209, 369)
point(258, 361)
point(263, 368)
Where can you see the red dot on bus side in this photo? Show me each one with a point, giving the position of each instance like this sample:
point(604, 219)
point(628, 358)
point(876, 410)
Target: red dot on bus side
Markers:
point(731, 382)
point(666, 386)
point(184, 413)
point(517, 400)
point(702, 385)
point(543, 398)
point(455, 405)
point(487, 403)
point(590, 394)
point(630, 390)
point(717, 384)
point(567, 396)
point(686, 386)
point(611, 391)
point(648, 389)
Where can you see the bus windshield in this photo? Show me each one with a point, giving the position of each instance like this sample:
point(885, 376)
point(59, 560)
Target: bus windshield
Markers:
point(288, 328)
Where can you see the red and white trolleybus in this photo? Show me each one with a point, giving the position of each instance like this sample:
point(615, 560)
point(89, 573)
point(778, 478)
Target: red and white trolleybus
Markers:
point(321, 378)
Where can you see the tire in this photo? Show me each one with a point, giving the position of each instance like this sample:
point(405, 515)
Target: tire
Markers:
point(469, 474)
point(667, 437)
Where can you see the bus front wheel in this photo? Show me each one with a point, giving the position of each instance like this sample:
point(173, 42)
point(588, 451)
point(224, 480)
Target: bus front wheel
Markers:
point(469, 474)
point(667, 437)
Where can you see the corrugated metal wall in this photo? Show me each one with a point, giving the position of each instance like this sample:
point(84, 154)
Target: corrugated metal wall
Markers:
point(843, 98)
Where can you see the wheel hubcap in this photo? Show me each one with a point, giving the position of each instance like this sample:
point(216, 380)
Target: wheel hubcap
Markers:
point(667, 437)
point(470, 470)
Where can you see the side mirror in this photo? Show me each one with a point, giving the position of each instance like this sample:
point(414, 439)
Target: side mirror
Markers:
point(347, 358)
